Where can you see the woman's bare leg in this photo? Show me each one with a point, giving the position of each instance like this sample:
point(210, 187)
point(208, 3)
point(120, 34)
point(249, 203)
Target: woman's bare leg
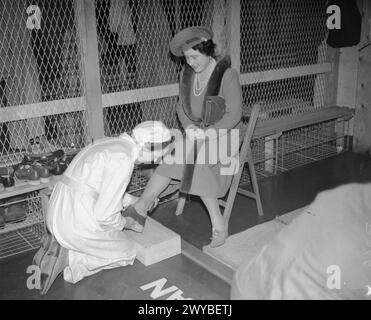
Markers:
point(216, 217)
point(219, 233)
point(154, 187)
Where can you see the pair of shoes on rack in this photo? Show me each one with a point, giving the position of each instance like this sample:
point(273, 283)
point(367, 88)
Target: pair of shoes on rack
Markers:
point(52, 259)
point(56, 162)
point(218, 238)
point(44, 164)
point(27, 172)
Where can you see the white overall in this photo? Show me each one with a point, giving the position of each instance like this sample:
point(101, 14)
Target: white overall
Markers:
point(84, 208)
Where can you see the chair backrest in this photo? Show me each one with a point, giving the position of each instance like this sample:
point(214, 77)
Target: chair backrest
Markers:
point(253, 119)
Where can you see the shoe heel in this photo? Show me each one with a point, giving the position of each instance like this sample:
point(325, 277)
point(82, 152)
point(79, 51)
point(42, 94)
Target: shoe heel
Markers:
point(45, 243)
point(218, 238)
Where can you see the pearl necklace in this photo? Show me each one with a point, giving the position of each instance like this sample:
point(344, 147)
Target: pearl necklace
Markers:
point(198, 85)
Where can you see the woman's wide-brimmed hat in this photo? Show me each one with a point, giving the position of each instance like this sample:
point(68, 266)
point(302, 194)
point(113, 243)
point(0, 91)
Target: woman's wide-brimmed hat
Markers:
point(187, 38)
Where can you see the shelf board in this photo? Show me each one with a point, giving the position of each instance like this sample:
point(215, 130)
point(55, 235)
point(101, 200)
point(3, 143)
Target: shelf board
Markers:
point(24, 187)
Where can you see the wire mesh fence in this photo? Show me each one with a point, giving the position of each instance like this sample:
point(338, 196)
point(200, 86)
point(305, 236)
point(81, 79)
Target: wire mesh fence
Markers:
point(42, 86)
point(133, 38)
point(22, 224)
point(282, 98)
point(298, 147)
point(282, 34)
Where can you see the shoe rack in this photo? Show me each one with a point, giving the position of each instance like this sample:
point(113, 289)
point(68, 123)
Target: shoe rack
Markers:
point(23, 235)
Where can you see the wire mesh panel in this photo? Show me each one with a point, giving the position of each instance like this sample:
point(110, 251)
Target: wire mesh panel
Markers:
point(284, 55)
point(21, 224)
point(282, 98)
point(139, 76)
point(282, 34)
point(41, 79)
point(285, 67)
point(298, 147)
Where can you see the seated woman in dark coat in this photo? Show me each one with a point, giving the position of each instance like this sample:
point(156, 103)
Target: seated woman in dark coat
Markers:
point(204, 76)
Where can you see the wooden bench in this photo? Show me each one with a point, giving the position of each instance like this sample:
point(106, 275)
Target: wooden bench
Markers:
point(267, 128)
point(273, 126)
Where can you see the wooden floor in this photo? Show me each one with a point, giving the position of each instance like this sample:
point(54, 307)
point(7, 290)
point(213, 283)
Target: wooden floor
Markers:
point(280, 194)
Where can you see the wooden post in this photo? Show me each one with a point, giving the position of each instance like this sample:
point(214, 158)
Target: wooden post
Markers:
point(362, 119)
point(234, 32)
point(332, 77)
point(87, 33)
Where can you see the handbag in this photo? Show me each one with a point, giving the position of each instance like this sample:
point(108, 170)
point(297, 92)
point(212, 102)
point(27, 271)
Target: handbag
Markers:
point(214, 110)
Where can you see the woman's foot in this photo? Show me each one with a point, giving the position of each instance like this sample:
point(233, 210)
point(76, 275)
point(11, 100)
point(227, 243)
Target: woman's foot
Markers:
point(52, 263)
point(218, 238)
point(135, 221)
point(133, 225)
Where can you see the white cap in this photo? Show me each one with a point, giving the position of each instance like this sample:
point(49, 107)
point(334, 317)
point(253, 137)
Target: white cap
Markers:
point(151, 132)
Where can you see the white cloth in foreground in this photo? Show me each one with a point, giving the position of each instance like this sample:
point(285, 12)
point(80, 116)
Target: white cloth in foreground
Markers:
point(84, 213)
point(325, 253)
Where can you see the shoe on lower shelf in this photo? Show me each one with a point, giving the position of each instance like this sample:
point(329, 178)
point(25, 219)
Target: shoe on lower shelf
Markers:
point(16, 213)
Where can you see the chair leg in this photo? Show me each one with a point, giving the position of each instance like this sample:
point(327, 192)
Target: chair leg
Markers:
point(255, 183)
point(180, 205)
point(232, 195)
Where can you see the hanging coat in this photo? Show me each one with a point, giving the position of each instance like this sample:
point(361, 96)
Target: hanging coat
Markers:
point(120, 22)
point(84, 208)
point(349, 33)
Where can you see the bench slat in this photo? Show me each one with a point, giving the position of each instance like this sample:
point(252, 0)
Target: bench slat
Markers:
point(274, 126)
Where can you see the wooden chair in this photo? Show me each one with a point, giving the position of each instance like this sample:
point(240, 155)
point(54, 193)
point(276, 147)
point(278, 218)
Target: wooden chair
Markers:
point(244, 157)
